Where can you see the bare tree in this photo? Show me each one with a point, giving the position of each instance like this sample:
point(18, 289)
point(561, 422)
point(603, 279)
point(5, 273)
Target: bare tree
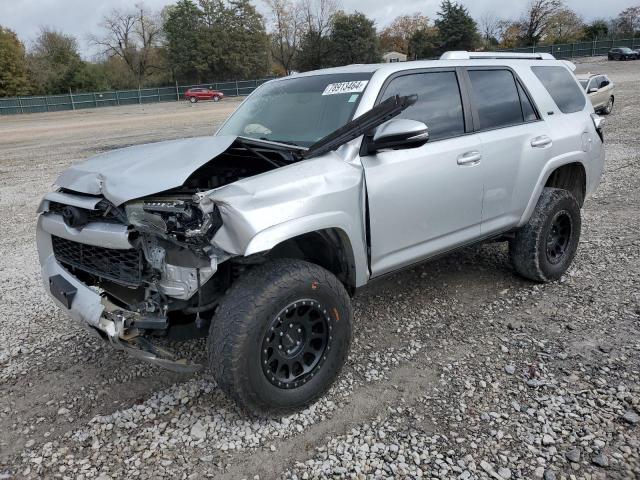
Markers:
point(286, 20)
point(490, 28)
point(317, 15)
point(537, 18)
point(131, 36)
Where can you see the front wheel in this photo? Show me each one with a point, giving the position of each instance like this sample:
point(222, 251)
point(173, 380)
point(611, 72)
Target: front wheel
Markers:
point(280, 336)
point(608, 107)
point(193, 99)
point(545, 246)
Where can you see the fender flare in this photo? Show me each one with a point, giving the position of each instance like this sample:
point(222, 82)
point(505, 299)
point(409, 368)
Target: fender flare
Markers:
point(268, 238)
point(549, 168)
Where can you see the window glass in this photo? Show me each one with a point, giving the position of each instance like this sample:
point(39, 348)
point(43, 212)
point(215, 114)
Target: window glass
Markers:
point(496, 98)
point(439, 104)
point(528, 112)
point(561, 85)
point(299, 110)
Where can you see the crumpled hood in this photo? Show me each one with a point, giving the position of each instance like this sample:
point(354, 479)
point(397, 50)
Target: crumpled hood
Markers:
point(134, 172)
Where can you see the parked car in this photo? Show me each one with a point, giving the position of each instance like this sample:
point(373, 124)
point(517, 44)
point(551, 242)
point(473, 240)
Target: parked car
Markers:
point(600, 91)
point(622, 53)
point(196, 94)
point(317, 185)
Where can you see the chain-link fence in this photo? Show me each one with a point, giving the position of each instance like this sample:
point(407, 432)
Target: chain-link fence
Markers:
point(581, 49)
point(78, 101)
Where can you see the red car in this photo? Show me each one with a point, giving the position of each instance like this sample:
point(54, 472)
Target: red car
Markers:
point(195, 94)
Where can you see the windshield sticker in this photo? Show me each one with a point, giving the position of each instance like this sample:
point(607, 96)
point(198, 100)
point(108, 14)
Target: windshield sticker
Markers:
point(353, 98)
point(345, 87)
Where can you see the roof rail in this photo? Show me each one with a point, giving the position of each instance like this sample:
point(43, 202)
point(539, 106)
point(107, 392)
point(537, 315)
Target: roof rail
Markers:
point(462, 55)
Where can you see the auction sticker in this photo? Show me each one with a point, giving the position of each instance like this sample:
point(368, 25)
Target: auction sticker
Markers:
point(345, 87)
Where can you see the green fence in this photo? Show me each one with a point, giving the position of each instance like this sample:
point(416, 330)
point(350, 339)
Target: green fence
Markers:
point(581, 49)
point(80, 101)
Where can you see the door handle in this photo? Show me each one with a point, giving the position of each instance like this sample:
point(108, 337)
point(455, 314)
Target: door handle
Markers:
point(470, 158)
point(541, 142)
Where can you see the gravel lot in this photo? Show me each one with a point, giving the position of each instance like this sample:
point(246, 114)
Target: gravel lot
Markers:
point(459, 369)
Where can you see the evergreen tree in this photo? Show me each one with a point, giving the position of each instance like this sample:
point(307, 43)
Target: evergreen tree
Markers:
point(353, 39)
point(458, 31)
point(181, 25)
point(424, 44)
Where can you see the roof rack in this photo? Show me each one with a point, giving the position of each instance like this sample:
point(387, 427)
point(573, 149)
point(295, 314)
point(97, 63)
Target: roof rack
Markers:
point(462, 55)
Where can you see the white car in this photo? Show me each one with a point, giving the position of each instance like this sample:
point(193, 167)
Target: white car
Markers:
point(600, 91)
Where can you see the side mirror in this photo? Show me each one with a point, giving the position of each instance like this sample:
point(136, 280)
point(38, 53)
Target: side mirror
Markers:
point(399, 133)
point(592, 90)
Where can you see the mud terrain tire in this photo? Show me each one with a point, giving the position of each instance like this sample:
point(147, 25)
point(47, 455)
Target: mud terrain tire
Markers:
point(544, 248)
point(247, 328)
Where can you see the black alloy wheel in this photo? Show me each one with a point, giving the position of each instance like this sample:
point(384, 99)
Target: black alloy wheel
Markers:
point(559, 236)
point(294, 346)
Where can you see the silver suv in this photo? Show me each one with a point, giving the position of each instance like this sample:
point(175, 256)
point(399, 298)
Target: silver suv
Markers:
point(318, 184)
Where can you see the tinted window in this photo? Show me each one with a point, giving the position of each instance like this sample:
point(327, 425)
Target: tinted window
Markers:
point(528, 112)
point(562, 87)
point(496, 98)
point(439, 104)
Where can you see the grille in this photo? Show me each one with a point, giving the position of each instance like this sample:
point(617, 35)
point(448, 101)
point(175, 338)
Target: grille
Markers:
point(101, 214)
point(120, 266)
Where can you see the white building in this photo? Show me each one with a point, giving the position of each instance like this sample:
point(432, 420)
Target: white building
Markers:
point(392, 57)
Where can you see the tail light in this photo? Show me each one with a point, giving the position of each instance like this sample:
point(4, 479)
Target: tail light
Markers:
point(598, 122)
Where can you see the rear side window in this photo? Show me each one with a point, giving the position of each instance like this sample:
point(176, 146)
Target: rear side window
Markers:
point(562, 87)
point(496, 98)
point(439, 103)
point(528, 112)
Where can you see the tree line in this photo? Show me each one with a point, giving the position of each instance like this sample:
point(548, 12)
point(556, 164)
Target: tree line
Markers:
point(194, 41)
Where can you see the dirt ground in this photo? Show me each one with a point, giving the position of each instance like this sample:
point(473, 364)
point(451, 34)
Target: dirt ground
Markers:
point(459, 368)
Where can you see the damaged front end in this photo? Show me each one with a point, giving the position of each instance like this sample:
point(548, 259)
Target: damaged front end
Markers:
point(147, 268)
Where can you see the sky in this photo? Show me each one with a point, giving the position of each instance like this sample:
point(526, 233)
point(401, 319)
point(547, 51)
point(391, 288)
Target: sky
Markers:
point(82, 17)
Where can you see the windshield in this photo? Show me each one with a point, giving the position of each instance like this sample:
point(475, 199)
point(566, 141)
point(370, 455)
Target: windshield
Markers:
point(300, 110)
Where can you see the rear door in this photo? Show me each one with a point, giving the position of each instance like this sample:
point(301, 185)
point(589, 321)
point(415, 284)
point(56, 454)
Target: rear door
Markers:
point(423, 201)
point(515, 143)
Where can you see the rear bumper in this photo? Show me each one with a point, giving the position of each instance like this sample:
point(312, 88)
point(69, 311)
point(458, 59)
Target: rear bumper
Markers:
point(94, 311)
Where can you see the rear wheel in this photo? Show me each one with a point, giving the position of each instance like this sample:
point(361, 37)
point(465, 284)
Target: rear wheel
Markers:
point(280, 336)
point(544, 248)
point(216, 99)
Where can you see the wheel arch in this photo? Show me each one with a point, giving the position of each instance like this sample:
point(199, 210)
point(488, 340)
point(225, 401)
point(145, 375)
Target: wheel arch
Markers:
point(568, 173)
point(329, 244)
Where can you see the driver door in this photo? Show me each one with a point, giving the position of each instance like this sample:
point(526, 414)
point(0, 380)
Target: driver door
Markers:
point(427, 200)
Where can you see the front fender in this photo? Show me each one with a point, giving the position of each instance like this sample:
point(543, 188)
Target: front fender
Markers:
point(260, 212)
point(270, 237)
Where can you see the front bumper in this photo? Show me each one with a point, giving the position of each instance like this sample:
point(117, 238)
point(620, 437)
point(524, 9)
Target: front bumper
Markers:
point(94, 311)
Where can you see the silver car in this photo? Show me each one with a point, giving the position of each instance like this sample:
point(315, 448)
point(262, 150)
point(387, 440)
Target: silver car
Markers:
point(318, 184)
point(600, 91)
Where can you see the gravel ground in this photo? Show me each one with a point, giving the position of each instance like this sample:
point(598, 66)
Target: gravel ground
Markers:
point(459, 369)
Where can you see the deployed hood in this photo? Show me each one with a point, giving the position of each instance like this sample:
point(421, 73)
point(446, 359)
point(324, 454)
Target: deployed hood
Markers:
point(134, 172)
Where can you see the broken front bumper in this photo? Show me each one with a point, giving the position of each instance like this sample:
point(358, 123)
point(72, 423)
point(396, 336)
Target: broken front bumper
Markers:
point(91, 309)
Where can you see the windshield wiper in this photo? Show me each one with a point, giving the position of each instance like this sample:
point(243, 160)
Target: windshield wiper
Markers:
point(284, 142)
point(361, 125)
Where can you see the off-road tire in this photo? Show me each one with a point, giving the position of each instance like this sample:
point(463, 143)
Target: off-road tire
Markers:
point(528, 250)
point(244, 317)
